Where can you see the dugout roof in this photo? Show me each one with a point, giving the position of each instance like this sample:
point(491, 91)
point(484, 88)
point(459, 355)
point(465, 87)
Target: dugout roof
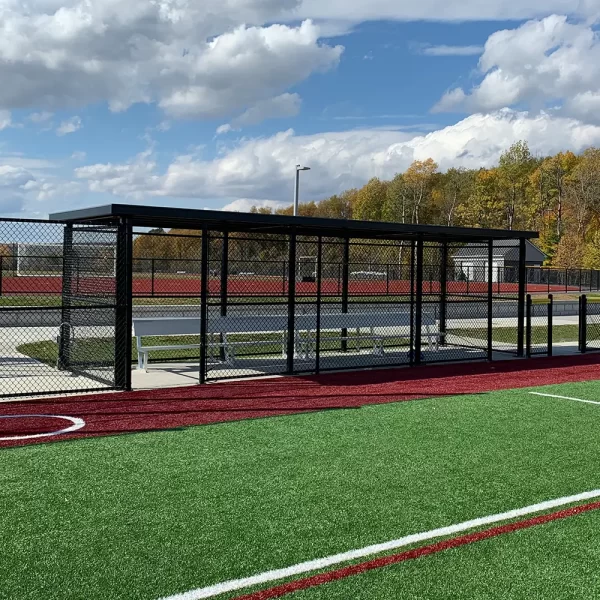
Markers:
point(187, 218)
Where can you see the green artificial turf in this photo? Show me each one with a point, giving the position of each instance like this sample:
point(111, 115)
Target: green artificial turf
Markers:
point(539, 335)
point(152, 514)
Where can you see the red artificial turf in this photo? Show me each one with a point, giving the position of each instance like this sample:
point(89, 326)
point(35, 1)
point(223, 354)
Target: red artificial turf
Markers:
point(115, 413)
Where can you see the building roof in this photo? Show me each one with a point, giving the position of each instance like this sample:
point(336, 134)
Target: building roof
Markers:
point(162, 216)
point(507, 249)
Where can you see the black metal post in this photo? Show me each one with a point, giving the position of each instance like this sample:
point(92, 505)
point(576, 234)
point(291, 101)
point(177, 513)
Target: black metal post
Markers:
point(153, 270)
point(64, 346)
point(224, 284)
point(550, 323)
point(528, 326)
point(387, 280)
point(566, 280)
point(319, 274)
point(124, 304)
point(583, 324)
point(411, 351)
point(443, 293)
point(283, 278)
point(291, 327)
point(1, 273)
point(419, 304)
point(204, 304)
point(345, 289)
point(224, 272)
point(490, 301)
point(521, 296)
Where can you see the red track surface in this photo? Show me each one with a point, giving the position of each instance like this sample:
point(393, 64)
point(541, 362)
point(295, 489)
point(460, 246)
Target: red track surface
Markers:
point(109, 414)
point(190, 286)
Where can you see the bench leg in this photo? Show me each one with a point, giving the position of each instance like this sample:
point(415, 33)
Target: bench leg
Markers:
point(140, 360)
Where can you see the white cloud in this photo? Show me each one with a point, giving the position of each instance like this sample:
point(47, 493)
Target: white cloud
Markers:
point(551, 60)
point(429, 50)
point(40, 117)
point(194, 59)
point(245, 205)
point(442, 10)
point(79, 155)
point(69, 126)
point(285, 105)
point(5, 119)
point(264, 168)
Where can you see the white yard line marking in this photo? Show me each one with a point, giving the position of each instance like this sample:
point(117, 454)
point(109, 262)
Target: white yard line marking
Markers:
point(328, 561)
point(564, 398)
point(77, 423)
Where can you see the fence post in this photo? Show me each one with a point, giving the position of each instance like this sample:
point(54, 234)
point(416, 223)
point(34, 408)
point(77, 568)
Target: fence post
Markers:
point(284, 278)
point(224, 284)
point(291, 330)
point(490, 301)
point(204, 304)
point(444, 294)
point(521, 296)
point(387, 280)
point(583, 324)
point(1, 273)
point(124, 284)
point(64, 346)
point(550, 323)
point(411, 352)
point(319, 274)
point(528, 326)
point(345, 288)
point(566, 280)
point(152, 267)
point(419, 303)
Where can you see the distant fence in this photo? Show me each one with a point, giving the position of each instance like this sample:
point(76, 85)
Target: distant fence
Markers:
point(180, 277)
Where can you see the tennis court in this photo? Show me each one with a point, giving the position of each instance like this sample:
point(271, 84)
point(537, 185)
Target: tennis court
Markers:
point(475, 480)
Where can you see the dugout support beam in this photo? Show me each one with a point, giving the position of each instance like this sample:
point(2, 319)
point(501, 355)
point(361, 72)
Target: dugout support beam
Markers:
point(443, 293)
point(204, 304)
point(490, 301)
point(521, 297)
point(291, 329)
point(419, 303)
point(345, 288)
point(124, 304)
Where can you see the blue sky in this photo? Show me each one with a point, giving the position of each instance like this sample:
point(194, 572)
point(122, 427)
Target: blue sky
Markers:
point(212, 106)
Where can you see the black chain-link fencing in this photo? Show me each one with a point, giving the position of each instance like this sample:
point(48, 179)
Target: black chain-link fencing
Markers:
point(58, 308)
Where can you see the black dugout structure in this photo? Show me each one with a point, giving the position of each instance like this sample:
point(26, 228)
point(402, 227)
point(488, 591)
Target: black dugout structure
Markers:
point(273, 294)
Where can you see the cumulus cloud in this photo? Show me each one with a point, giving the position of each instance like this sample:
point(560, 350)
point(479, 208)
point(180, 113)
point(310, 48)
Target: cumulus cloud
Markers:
point(285, 105)
point(69, 126)
point(246, 204)
point(551, 60)
point(264, 168)
point(195, 59)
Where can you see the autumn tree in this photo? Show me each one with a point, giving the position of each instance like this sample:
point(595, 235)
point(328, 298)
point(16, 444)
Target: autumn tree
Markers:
point(370, 200)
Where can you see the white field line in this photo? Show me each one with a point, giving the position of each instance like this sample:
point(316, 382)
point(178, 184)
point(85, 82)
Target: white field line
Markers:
point(564, 398)
point(77, 423)
point(328, 561)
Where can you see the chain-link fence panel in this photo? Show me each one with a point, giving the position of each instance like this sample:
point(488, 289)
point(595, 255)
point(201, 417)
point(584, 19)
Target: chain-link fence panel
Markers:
point(57, 308)
point(592, 325)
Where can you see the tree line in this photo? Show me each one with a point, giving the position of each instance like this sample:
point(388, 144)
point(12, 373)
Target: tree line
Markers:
point(559, 196)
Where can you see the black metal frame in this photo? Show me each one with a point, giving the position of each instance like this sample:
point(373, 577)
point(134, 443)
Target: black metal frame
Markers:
point(433, 293)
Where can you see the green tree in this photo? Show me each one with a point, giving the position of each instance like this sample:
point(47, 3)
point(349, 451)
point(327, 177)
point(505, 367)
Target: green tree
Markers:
point(370, 200)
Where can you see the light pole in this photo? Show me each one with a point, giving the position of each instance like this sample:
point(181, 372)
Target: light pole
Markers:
point(297, 187)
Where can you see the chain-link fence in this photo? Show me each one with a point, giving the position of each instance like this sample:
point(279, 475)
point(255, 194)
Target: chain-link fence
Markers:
point(58, 304)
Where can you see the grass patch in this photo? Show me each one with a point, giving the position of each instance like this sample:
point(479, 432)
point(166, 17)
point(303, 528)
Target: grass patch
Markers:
point(539, 335)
